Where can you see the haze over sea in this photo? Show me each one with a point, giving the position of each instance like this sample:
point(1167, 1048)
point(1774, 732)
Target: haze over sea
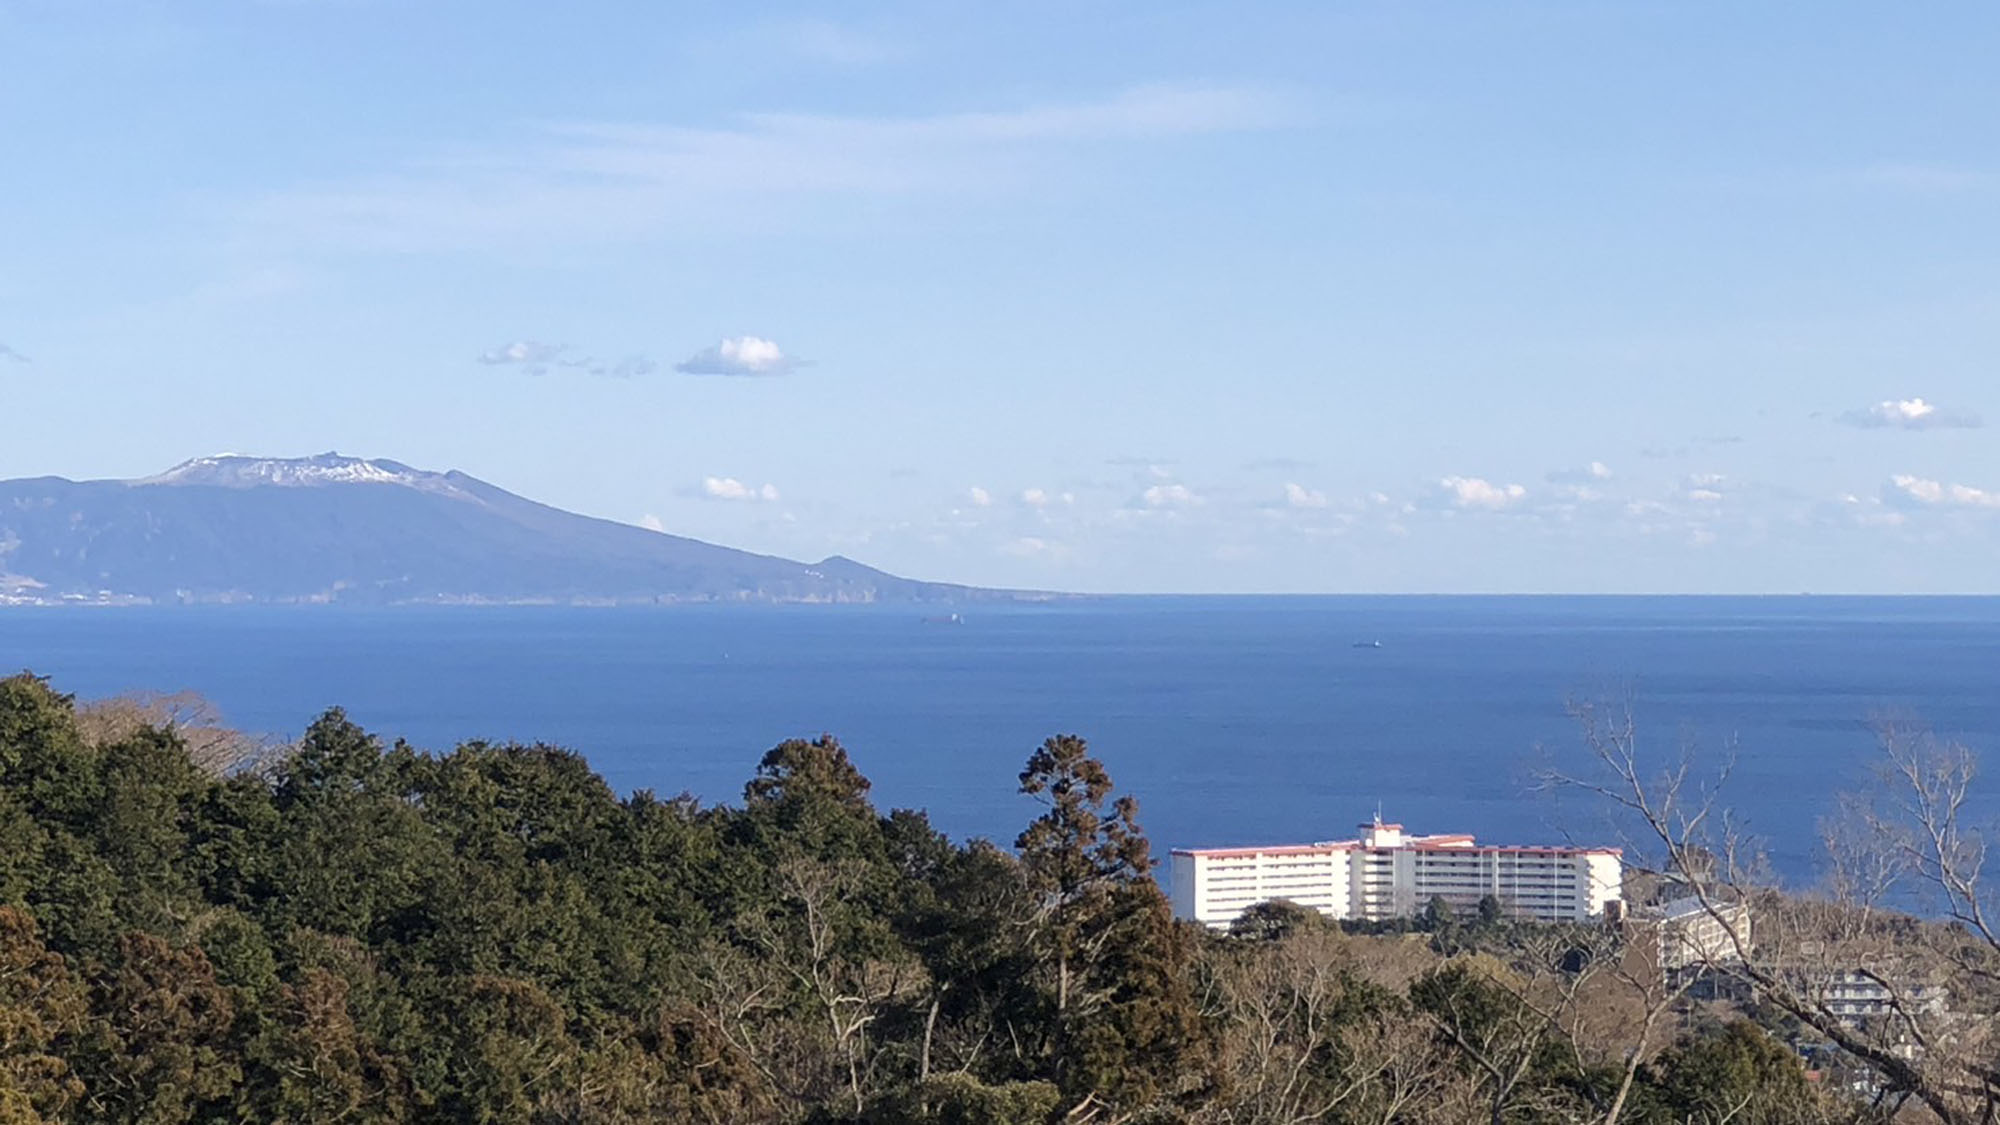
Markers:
point(1233, 720)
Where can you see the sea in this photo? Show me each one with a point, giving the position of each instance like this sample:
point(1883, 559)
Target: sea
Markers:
point(1232, 720)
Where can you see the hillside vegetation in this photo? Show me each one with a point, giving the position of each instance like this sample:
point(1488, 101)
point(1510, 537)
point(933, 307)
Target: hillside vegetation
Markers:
point(354, 932)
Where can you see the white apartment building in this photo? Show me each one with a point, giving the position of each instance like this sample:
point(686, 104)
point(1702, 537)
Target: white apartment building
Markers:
point(1693, 936)
point(1385, 873)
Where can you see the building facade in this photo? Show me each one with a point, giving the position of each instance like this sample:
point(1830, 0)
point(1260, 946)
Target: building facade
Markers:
point(1385, 873)
point(1693, 936)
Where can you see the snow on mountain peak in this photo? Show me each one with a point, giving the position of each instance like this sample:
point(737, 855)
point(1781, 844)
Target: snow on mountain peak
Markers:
point(234, 470)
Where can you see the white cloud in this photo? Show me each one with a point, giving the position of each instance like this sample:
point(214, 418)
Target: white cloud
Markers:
point(1704, 495)
point(1299, 496)
point(739, 355)
point(1477, 493)
point(653, 523)
point(1907, 491)
point(1034, 498)
point(11, 355)
point(1594, 473)
point(1169, 496)
point(980, 497)
point(729, 488)
point(1910, 414)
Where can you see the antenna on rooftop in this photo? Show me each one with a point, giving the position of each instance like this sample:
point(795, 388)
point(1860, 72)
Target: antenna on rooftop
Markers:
point(1378, 812)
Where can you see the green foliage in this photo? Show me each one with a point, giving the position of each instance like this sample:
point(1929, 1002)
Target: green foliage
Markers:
point(1275, 920)
point(365, 934)
point(960, 1099)
point(1739, 1074)
point(41, 1006)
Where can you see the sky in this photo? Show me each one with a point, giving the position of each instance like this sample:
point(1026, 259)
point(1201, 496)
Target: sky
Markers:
point(1099, 296)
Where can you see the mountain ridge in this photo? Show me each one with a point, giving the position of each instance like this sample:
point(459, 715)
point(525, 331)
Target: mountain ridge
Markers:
point(235, 528)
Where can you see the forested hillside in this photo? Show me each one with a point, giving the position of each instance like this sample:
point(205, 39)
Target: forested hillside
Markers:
point(354, 932)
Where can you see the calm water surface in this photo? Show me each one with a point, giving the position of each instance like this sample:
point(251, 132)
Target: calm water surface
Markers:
point(1233, 720)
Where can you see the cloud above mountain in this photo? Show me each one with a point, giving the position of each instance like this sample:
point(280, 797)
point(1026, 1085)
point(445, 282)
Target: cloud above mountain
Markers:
point(538, 358)
point(729, 488)
point(740, 355)
point(1910, 414)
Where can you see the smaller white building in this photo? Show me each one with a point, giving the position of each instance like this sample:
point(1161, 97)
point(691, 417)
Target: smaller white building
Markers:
point(1385, 873)
point(1693, 936)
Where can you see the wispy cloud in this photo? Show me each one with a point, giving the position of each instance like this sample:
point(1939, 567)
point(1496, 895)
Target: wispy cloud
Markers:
point(1279, 464)
point(1910, 414)
point(823, 41)
point(537, 358)
point(740, 355)
point(979, 497)
point(1925, 179)
point(1704, 488)
point(605, 181)
point(1597, 472)
point(1033, 546)
point(729, 488)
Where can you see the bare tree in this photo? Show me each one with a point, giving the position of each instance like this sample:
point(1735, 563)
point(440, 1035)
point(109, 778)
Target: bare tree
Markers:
point(1910, 1003)
point(1308, 1039)
point(212, 745)
point(800, 1001)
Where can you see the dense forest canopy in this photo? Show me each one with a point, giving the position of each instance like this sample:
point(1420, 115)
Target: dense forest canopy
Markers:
point(348, 931)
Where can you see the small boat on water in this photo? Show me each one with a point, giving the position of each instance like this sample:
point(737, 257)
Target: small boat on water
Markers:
point(946, 619)
point(1367, 644)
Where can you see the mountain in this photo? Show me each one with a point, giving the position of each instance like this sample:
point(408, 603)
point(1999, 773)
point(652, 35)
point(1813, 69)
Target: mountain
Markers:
point(353, 531)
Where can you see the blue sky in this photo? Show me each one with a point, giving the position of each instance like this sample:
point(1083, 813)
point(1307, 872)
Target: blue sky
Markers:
point(1101, 296)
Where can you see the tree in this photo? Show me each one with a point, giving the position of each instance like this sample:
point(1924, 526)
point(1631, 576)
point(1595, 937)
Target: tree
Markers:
point(1275, 920)
point(1491, 913)
point(1437, 914)
point(318, 1065)
point(1121, 1016)
point(1937, 988)
point(1507, 1028)
point(158, 1048)
point(1078, 855)
point(1739, 1074)
point(1296, 1028)
point(41, 1006)
point(212, 746)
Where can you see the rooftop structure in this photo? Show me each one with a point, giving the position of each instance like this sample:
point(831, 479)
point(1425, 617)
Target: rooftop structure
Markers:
point(1387, 873)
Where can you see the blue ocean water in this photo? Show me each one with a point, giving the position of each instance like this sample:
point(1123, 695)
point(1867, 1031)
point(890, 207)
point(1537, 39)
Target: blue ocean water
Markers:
point(1233, 720)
